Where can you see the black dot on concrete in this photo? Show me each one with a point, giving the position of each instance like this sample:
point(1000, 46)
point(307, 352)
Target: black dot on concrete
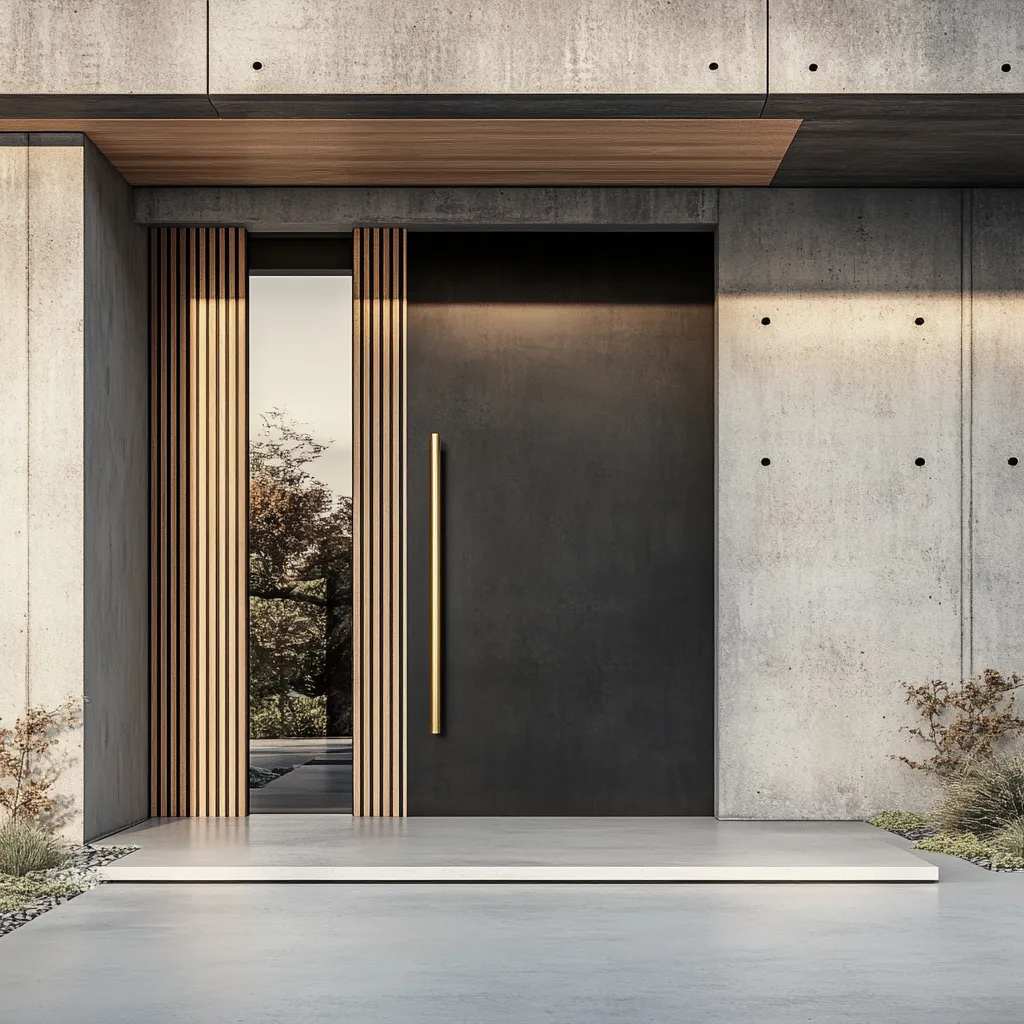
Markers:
point(812, 67)
point(918, 461)
point(713, 65)
point(257, 65)
point(766, 462)
point(919, 321)
point(766, 320)
point(1012, 460)
point(1007, 67)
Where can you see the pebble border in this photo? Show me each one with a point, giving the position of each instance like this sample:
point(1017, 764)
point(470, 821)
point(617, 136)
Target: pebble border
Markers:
point(80, 870)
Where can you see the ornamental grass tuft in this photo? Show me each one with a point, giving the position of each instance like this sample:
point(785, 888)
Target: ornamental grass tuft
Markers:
point(986, 796)
point(25, 847)
point(1008, 841)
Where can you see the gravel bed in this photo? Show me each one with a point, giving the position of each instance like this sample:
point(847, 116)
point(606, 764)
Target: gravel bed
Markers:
point(913, 834)
point(74, 878)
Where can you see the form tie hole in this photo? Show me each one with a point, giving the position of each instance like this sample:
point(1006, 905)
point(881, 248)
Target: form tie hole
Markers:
point(812, 67)
point(1007, 67)
point(766, 320)
point(766, 462)
point(713, 66)
point(918, 461)
point(257, 65)
point(1012, 460)
point(919, 321)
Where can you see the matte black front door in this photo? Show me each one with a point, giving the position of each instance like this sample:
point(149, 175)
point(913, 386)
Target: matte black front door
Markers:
point(570, 377)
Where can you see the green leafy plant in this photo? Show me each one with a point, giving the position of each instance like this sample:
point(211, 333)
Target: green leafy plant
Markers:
point(291, 715)
point(986, 795)
point(21, 893)
point(963, 721)
point(971, 847)
point(26, 847)
point(899, 821)
point(28, 769)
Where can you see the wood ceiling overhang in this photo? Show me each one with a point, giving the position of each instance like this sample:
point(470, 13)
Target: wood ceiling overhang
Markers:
point(435, 152)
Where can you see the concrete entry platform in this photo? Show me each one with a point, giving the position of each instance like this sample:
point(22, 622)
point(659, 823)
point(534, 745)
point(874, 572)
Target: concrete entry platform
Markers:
point(338, 848)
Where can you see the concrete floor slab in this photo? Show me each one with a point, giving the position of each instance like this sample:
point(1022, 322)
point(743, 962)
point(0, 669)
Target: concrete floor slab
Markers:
point(305, 847)
point(502, 954)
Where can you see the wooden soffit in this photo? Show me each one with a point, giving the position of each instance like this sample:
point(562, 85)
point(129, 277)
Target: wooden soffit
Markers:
point(435, 152)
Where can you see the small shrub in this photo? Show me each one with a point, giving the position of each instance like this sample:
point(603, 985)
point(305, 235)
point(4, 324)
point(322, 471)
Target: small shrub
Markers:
point(292, 716)
point(964, 721)
point(21, 893)
point(986, 795)
point(26, 847)
point(899, 821)
point(962, 844)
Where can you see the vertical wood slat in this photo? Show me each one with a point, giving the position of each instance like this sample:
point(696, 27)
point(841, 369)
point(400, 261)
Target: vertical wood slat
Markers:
point(199, 522)
point(378, 521)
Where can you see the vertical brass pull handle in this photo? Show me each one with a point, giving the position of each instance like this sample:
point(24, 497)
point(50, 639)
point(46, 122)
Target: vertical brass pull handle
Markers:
point(435, 584)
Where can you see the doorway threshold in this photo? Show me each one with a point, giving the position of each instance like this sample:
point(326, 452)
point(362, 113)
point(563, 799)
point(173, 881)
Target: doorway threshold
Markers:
point(342, 849)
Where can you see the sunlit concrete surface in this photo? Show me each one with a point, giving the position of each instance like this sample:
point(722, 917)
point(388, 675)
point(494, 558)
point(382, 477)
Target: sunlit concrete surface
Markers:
point(503, 954)
point(305, 847)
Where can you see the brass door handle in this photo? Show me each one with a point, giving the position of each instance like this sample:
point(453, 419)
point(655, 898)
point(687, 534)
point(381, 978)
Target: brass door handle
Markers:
point(435, 584)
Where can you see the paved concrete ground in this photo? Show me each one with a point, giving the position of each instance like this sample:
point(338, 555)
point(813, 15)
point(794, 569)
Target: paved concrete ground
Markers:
point(276, 847)
point(519, 954)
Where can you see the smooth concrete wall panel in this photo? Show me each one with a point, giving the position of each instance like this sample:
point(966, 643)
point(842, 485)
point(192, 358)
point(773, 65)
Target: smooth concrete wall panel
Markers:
point(997, 393)
point(116, 467)
point(896, 46)
point(102, 46)
point(499, 47)
point(14, 593)
point(342, 209)
point(839, 563)
point(55, 476)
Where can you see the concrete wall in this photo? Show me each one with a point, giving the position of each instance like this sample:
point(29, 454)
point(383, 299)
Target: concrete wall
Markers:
point(73, 469)
point(896, 46)
point(248, 57)
point(116, 467)
point(997, 417)
point(465, 46)
point(342, 209)
point(839, 563)
point(14, 406)
point(41, 465)
point(103, 46)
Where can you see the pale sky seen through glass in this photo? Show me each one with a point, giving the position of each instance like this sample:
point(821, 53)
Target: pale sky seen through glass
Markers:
point(300, 361)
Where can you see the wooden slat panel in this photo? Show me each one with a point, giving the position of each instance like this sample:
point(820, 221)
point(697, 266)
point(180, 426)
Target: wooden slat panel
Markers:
point(199, 482)
point(358, 461)
point(436, 152)
point(378, 304)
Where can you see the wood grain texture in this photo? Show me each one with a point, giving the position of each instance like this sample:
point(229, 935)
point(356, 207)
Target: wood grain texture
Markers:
point(378, 569)
point(407, 151)
point(199, 511)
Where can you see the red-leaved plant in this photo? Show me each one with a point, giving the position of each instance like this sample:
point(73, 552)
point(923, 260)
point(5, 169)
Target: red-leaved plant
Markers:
point(963, 721)
point(28, 771)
